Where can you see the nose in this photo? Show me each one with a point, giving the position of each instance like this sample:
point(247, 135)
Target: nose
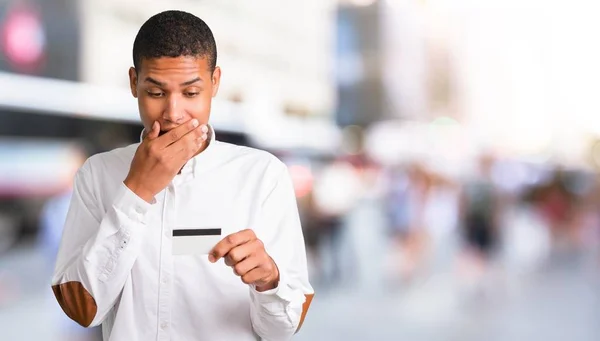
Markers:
point(172, 112)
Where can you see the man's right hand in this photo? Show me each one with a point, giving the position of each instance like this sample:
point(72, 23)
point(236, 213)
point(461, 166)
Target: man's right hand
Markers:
point(159, 158)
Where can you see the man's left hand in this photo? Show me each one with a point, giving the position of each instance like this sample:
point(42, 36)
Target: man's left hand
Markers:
point(246, 254)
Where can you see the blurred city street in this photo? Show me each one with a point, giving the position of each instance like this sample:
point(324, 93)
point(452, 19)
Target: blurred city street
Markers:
point(444, 154)
point(560, 302)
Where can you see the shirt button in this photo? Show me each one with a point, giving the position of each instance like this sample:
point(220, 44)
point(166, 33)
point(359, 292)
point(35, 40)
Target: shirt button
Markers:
point(164, 325)
point(165, 280)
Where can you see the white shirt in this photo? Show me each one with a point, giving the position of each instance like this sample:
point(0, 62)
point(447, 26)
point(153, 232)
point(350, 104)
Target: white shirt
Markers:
point(115, 265)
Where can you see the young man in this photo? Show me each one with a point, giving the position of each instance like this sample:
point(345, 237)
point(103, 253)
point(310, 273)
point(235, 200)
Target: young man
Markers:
point(123, 261)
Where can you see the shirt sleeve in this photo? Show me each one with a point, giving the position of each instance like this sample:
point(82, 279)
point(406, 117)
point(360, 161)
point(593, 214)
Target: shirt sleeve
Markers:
point(97, 251)
point(278, 313)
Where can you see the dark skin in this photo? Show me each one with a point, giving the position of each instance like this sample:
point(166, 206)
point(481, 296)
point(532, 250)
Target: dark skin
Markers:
point(174, 99)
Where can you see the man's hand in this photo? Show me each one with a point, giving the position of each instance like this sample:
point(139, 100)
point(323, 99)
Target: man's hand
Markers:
point(247, 256)
point(158, 159)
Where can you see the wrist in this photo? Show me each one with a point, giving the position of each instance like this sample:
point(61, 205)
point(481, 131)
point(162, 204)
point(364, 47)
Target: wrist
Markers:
point(267, 287)
point(139, 190)
point(272, 284)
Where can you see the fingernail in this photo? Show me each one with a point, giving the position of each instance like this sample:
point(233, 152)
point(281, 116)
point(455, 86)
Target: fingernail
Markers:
point(195, 122)
point(204, 137)
point(204, 129)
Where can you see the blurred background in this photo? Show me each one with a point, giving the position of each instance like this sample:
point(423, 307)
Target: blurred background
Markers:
point(445, 153)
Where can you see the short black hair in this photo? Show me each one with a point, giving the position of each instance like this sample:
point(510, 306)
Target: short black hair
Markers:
point(174, 34)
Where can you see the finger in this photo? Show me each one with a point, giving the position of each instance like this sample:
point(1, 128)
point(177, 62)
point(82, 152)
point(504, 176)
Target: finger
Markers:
point(183, 150)
point(245, 266)
point(154, 132)
point(204, 130)
point(241, 252)
point(226, 244)
point(187, 146)
point(189, 143)
point(256, 275)
point(177, 133)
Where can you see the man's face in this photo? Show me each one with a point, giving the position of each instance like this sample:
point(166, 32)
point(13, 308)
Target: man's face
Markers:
point(173, 91)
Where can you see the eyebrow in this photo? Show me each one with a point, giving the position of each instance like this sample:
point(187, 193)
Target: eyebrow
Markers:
point(190, 82)
point(154, 81)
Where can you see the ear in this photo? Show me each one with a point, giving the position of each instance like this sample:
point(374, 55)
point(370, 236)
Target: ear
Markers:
point(133, 81)
point(216, 80)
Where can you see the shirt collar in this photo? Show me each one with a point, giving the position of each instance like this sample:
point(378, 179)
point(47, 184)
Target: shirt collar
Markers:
point(193, 166)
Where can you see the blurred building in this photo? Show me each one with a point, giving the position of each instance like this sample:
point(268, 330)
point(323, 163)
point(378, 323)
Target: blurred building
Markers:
point(275, 57)
point(359, 71)
point(277, 79)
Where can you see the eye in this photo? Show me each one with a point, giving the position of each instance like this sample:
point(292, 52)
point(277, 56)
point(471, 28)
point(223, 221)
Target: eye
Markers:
point(155, 94)
point(191, 94)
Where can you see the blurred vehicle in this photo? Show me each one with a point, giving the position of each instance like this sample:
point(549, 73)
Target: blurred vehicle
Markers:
point(31, 170)
point(306, 166)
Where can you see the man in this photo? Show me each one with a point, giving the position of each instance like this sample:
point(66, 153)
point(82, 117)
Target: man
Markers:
point(119, 265)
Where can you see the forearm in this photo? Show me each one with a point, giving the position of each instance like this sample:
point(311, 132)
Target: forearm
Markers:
point(91, 271)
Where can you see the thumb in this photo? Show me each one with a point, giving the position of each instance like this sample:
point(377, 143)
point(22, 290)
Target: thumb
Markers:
point(155, 131)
